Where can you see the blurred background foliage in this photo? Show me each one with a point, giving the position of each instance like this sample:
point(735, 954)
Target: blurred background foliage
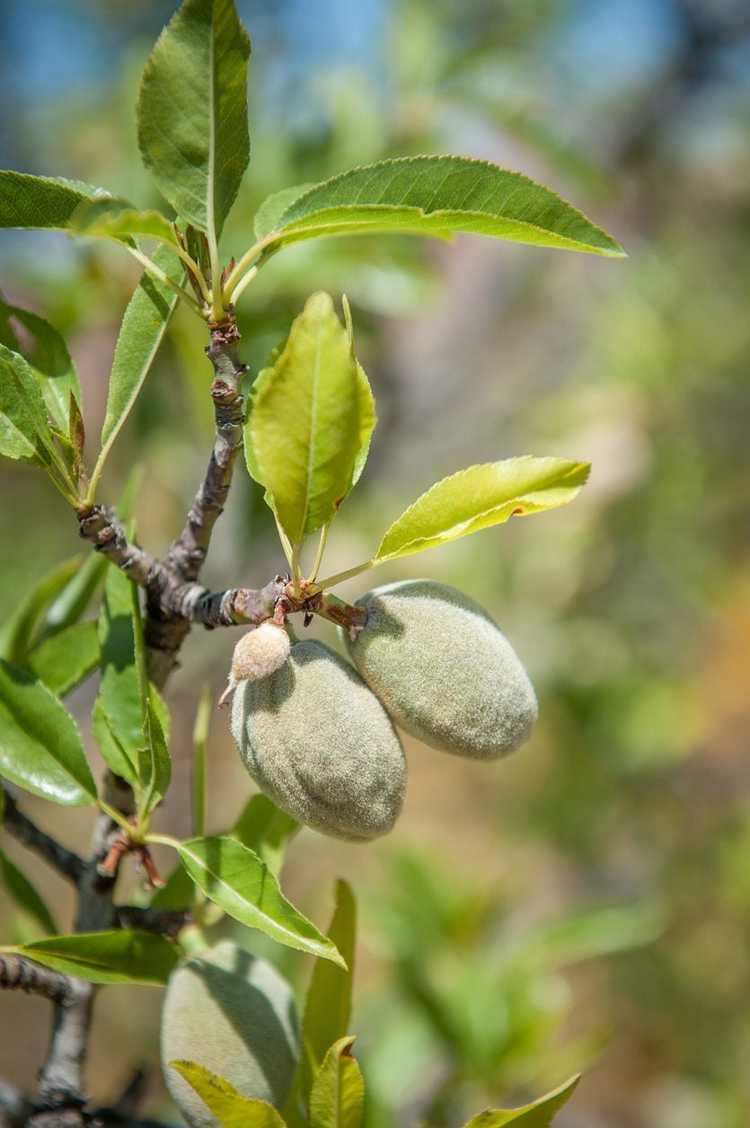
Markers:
point(587, 904)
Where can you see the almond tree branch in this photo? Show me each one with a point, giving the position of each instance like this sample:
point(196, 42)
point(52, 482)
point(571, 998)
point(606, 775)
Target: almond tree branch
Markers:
point(167, 922)
point(17, 973)
point(188, 552)
point(65, 861)
point(174, 601)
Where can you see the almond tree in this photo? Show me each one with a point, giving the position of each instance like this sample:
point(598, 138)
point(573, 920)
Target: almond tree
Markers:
point(306, 433)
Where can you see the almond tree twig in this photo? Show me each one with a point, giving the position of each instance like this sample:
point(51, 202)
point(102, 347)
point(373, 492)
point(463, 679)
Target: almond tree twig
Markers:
point(65, 861)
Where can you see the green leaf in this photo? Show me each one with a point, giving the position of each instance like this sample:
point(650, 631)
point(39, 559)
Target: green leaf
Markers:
point(76, 595)
point(337, 1098)
point(237, 880)
point(141, 332)
point(480, 497)
point(200, 742)
point(273, 207)
point(266, 830)
point(177, 893)
point(19, 633)
point(439, 196)
point(192, 111)
point(117, 219)
point(329, 998)
point(24, 430)
point(307, 422)
point(65, 659)
point(230, 1108)
point(41, 201)
point(113, 753)
point(24, 894)
point(121, 956)
point(40, 746)
point(154, 764)
point(539, 1114)
point(118, 713)
point(51, 363)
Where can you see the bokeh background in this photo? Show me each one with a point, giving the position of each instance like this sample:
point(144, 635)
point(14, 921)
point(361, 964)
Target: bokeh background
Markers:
point(585, 905)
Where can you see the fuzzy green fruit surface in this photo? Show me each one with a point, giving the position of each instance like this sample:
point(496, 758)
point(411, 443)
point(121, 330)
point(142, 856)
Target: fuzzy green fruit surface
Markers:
point(320, 745)
point(443, 670)
point(235, 1015)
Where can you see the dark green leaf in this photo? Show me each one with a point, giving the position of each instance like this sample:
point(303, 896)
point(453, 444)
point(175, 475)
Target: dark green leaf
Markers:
point(65, 659)
point(192, 111)
point(237, 880)
point(24, 430)
point(329, 997)
point(229, 1107)
point(154, 764)
point(113, 752)
point(118, 713)
point(19, 633)
point(539, 1114)
point(439, 196)
point(265, 830)
point(337, 1098)
point(122, 956)
point(200, 742)
point(51, 363)
point(41, 201)
point(40, 746)
point(77, 594)
point(177, 893)
point(141, 332)
point(24, 894)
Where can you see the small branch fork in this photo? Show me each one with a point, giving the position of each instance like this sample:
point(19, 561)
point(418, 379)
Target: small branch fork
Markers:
point(175, 600)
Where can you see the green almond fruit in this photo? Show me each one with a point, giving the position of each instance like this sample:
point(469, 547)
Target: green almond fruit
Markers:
point(443, 669)
point(320, 745)
point(234, 1014)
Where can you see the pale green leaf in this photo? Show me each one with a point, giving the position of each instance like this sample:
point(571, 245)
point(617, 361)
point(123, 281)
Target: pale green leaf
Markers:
point(238, 882)
point(192, 111)
point(273, 207)
point(117, 219)
point(51, 363)
point(24, 894)
point(19, 633)
point(329, 997)
point(121, 956)
point(229, 1107)
point(438, 196)
point(24, 430)
point(41, 201)
point(337, 1098)
point(141, 332)
point(40, 746)
point(538, 1114)
point(479, 497)
point(307, 422)
point(266, 830)
point(66, 658)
